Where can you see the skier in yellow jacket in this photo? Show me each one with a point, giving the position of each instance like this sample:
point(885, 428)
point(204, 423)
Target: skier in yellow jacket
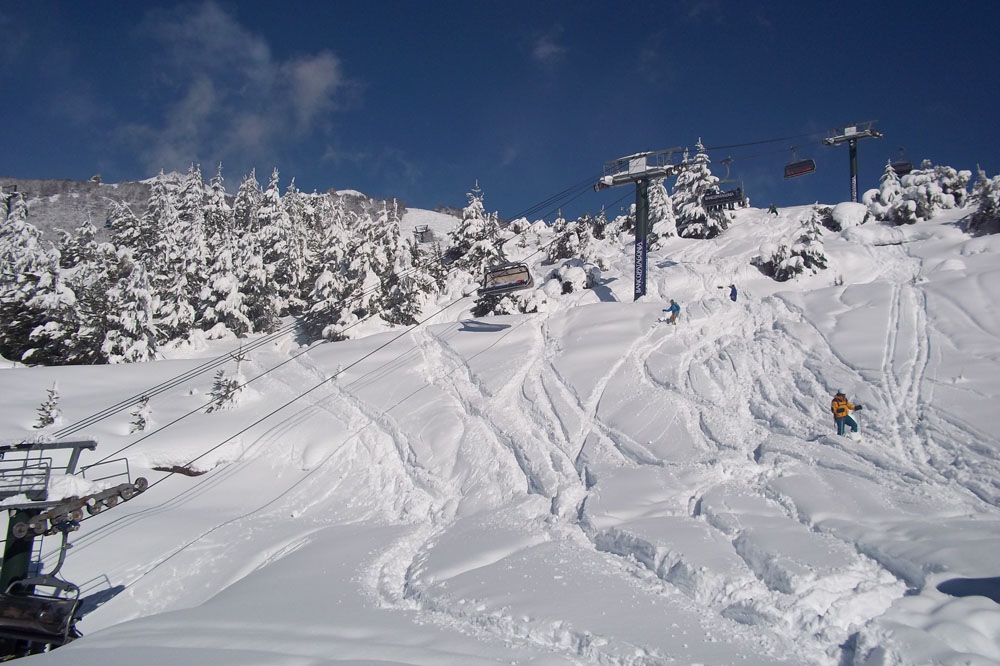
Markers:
point(842, 409)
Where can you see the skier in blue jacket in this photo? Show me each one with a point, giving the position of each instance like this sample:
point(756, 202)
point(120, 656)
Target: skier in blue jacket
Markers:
point(674, 310)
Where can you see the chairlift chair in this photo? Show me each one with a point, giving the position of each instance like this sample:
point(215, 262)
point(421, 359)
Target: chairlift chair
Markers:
point(799, 167)
point(423, 233)
point(506, 278)
point(724, 198)
point(29, 618)
point(46, 619)
point(902, 166)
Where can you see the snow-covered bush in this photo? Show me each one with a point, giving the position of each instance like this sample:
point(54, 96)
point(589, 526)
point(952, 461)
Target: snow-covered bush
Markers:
point(927, 190)
point(846, 215)
point(567, 242)
point(519, 226)
point(49, 412)
point(986, 197)
point(576, 275)
point(475, 241)
point(890, 191)
point(787, 259)
point(141, 416)
point(518, 302)
point(225, 391)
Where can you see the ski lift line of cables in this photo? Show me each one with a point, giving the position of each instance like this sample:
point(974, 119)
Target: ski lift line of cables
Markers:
point(210, 402)
point(576, 190)
point(221, 360)
point(766, 153)
point(225, 358)
point(138, 515)
point(307, 350)
point(209, 365)
point(251, 346)
point(569, 194)
point(303, 394)
point(294, 399)
point(764, 141)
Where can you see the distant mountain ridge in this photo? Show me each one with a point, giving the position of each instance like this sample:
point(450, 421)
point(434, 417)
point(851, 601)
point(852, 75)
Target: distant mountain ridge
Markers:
point(55, 204)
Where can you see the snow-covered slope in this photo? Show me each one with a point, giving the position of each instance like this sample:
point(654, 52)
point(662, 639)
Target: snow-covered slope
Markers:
point(438, 224)
point(586, 485)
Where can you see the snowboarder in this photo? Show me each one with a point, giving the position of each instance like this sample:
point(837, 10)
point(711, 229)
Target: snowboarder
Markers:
point(732, 292)
point(674, 310)
point(841, 409)
point(773, 210)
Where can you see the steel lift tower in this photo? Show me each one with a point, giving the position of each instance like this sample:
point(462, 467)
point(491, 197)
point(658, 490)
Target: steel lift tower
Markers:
point(639, 169)
point(850, 136)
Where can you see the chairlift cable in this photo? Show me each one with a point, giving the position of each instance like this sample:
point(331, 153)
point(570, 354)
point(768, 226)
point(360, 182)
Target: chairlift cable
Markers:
point(225, 358)
point(575, 190)
point(308, 391)
point(222, 359)
point(288, 360)
point(305, 351)
point(251, 346)
point(758, 143)
point(564, 197)
point(289, 402)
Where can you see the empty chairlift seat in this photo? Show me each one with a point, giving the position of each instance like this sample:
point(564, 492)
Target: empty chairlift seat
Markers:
point(506, 278)
point(901, 167)
point(423, 233)
point(799, 168)
point(27, 615)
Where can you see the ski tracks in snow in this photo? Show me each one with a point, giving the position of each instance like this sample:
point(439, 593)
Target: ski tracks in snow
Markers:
point(937, 443)
point(905, 359)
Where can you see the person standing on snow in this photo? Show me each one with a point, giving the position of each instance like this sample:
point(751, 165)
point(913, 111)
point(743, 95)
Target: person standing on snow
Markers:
point(841, 409)
point(732, 292)
point(674, 310)
point(773, 210)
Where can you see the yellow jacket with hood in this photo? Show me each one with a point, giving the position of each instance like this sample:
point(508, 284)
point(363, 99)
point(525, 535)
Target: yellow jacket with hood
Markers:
point(840, 406)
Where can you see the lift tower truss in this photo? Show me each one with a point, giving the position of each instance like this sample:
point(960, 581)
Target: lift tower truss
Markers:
point(850, 135)
point(640, 169)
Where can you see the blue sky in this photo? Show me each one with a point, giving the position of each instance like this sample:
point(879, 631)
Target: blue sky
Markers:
point(419, 100)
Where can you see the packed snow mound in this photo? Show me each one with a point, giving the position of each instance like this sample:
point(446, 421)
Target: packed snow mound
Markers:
point(581, 485)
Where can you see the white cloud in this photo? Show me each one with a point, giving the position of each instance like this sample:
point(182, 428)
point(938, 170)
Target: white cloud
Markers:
point(705, 9)
point(223, 93)
point(395, 171)
point(313, 82)
point(653, 62)
point(546, 51)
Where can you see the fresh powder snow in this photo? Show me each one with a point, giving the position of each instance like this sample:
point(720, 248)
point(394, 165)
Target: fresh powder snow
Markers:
point(581, 485)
